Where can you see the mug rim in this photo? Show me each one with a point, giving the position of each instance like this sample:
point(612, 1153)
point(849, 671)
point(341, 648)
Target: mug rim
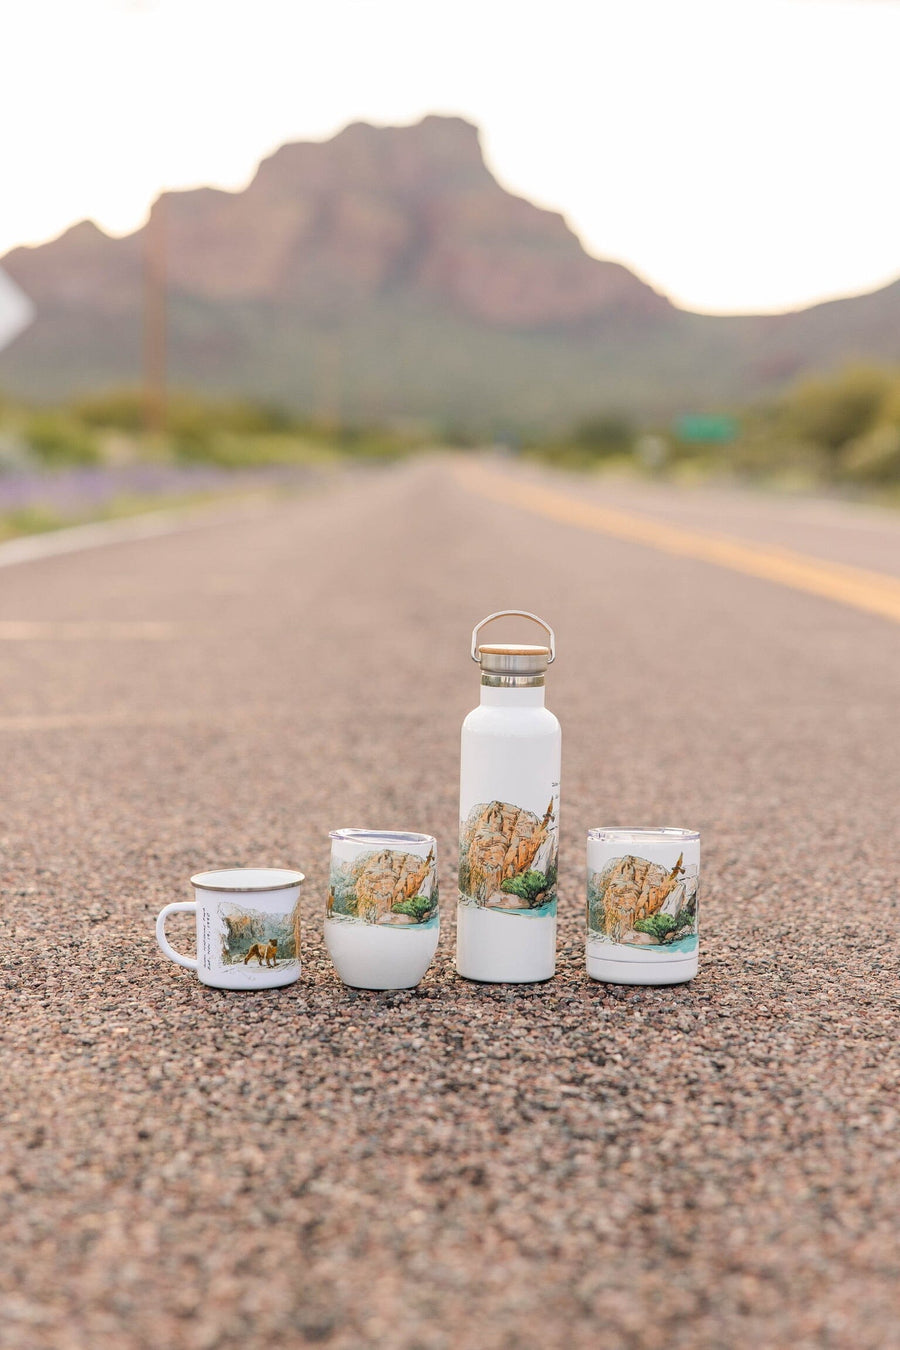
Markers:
point(647, 833)
point(356, 836)
point(214, 880)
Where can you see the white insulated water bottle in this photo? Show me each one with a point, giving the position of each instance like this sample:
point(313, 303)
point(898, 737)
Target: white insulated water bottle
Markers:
point(509, 816)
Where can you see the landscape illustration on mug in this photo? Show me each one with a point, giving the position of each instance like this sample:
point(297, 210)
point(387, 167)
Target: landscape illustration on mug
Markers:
point(255, 938)
point(384, 886)
point(644, 904)
point(507, 858)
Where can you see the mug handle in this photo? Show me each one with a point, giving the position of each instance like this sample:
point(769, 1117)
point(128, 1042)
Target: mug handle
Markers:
point(177, 907)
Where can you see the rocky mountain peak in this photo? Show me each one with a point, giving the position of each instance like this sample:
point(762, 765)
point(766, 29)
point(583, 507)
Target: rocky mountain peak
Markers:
point(374, 213)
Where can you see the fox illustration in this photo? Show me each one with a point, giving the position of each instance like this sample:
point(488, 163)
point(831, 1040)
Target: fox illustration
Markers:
point(264, 952)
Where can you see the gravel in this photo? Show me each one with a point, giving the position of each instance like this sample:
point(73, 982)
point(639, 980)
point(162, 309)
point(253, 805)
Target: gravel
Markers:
point(484, 1167)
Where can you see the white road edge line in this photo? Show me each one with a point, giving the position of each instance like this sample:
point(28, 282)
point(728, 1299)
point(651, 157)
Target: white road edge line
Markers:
point(147, 525)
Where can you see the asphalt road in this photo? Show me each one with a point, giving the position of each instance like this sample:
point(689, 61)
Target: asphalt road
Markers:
point(490, 1168)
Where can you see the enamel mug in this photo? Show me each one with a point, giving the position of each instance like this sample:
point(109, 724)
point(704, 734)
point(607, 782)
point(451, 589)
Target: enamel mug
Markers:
point(248, 927)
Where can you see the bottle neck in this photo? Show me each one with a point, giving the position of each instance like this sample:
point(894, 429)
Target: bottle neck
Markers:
point(531, 696)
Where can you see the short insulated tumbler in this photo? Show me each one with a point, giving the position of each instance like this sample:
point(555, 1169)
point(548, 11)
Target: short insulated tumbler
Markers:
point(642, 905)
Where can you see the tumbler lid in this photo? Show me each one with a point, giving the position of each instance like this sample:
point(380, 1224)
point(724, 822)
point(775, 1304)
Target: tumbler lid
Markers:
point(513, 658)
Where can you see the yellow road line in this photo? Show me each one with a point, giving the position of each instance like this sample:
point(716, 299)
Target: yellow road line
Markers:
point(874, 592)
point(28, 630)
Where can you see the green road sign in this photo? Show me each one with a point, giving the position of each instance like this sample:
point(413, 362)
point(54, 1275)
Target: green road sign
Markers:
point(705, 428)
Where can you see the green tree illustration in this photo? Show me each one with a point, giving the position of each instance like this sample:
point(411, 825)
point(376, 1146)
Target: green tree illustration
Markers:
point(661, 926)
point(528, 886)
point(420, 907)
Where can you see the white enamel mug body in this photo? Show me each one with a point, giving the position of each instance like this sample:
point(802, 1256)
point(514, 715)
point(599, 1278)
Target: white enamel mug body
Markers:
point(381, 918)
point(642, 905)
point(248, 927)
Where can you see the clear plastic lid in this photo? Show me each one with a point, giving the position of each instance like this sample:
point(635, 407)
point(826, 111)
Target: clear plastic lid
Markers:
point(645, 834)
point(382, 838)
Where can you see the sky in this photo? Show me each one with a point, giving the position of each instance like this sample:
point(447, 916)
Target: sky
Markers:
point(741, 155)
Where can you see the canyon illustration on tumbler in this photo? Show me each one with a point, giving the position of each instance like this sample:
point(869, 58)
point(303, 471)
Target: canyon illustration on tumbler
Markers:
point(509, 816)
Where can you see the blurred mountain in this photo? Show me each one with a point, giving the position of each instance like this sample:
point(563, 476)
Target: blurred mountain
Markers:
point(386, 273)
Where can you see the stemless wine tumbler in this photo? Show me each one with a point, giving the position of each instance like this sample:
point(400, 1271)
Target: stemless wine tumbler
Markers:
point(381, 918)
point(248, 927)
point(642, 901)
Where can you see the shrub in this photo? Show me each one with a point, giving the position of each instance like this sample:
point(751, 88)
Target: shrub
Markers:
point(58, 441)
point(36, 519)
point(420, 907)
point(658, 925)
point(832, 411)
point(661, 925)
point(606, 434)
point(874, 457)
point(188, 415)
point(528, 886)
point(119, 410)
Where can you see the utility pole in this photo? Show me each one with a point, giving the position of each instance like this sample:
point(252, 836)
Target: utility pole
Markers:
point(155, 318)
point(329, 377)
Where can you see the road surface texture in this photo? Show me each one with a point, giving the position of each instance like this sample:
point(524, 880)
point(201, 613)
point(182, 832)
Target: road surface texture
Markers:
point(482, 1167)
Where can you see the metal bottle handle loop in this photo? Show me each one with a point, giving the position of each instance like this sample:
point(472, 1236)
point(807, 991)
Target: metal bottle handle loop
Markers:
point(514, 614)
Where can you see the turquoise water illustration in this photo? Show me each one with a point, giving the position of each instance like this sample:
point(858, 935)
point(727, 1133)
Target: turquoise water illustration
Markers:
point(336, 916)
point(540, 913)
point(683, 946)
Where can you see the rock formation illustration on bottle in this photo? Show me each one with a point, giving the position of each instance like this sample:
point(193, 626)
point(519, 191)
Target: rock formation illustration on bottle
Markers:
point(385, 886)
point(507, 858)
point(259, 938)
point(643, 904)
